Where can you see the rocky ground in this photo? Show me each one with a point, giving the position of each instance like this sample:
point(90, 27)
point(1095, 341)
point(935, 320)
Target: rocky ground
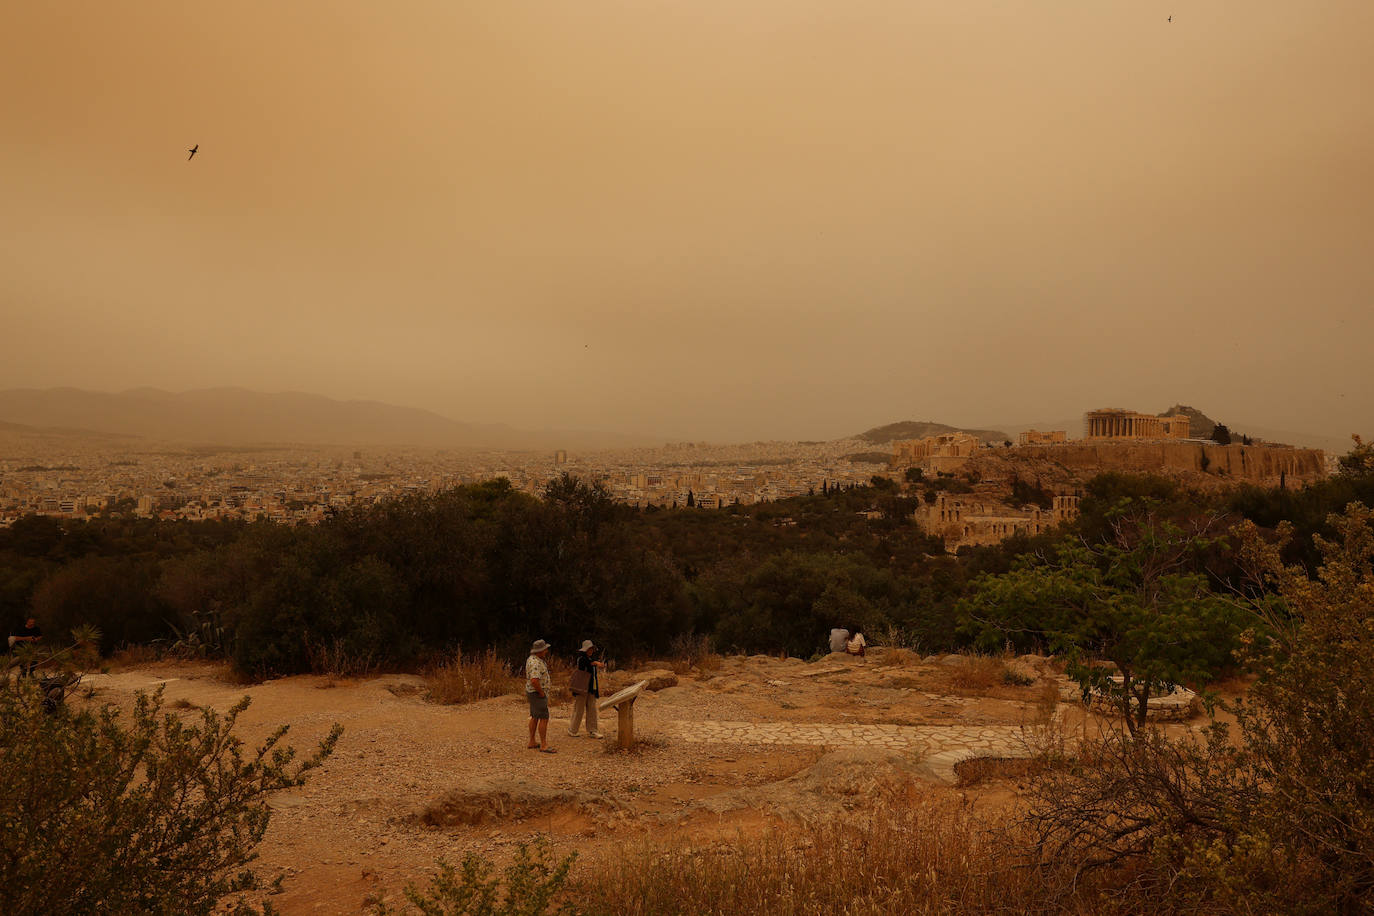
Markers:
point(753, 740)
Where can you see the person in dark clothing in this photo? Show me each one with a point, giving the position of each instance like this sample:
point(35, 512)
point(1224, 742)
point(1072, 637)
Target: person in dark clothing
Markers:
point(584, 701)
point(28, 634)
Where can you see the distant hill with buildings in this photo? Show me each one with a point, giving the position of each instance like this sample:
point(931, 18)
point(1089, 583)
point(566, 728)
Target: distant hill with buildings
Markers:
point(919, 429)
point(1201, 426)
point(232, 416)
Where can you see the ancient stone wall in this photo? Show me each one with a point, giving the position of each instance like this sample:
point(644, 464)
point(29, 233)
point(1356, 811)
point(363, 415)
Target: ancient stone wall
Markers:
point(1261, 464)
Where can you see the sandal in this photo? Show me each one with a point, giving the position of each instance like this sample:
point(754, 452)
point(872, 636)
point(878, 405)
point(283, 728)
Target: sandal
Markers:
point(548, 750)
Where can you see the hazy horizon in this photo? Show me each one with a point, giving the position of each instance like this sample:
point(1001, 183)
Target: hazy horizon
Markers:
point(711, 221)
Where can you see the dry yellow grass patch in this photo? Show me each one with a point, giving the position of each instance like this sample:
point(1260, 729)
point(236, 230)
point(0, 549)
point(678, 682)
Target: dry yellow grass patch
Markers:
point(469, 678)
point(900, 658)
point(918, 857)
point(977, 672)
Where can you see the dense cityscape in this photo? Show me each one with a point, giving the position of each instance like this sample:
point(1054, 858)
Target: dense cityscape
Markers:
point(75, 477)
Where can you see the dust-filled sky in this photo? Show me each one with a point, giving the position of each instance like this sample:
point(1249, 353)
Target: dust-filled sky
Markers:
point(727, 219)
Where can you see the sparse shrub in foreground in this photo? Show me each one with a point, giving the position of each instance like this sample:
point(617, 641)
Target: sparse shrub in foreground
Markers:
point(530, 886)
point(144, 814)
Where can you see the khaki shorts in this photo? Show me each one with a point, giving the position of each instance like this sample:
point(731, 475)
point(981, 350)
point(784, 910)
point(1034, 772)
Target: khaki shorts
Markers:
point(539, 706)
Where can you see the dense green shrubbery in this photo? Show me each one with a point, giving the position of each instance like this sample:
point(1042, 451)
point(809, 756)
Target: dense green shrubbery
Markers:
point(485, 566)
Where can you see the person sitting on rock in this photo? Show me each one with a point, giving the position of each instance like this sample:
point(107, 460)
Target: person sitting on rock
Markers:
point(838, 638)
point(856, 644)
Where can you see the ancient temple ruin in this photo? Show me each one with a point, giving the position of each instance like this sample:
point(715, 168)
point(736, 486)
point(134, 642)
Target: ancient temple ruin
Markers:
point(1117, 423)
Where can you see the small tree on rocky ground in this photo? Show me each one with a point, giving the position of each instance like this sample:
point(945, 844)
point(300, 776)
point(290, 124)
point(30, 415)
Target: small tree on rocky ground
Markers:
point(140, 814)
point(1278, 818)
point(1135, 600)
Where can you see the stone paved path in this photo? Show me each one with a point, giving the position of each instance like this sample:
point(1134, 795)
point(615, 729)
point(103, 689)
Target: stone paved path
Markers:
point(941, 746)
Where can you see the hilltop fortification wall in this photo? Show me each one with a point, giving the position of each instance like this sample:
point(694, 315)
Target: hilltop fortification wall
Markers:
point(1261, 464)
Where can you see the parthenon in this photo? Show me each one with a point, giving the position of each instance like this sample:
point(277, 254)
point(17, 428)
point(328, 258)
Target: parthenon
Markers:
point(1116, 423)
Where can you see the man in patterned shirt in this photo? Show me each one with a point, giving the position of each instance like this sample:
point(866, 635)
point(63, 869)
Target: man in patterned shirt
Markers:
point(537, 692)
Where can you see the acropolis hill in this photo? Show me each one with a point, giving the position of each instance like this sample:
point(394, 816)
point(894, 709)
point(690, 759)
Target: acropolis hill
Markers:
point(978, 493)
point(1203, 463)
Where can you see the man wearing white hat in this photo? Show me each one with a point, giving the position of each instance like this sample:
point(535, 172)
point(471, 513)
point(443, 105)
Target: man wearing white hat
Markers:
point(536, 691)
point(585, 689)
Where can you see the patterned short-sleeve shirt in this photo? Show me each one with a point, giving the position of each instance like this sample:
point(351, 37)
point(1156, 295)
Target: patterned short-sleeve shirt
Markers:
point(535, 668)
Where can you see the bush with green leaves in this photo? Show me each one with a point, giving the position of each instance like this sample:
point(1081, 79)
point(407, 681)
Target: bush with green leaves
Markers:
point(1276, 817)
point(530, 885)
point(1137, 601)
point(137, 813)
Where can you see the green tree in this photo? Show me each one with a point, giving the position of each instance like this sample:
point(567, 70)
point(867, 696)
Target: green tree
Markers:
point(1278, 818)
point(1135, 601)
point(1359, 461)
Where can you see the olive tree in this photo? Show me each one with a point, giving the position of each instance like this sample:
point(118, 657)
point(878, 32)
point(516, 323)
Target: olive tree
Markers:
point(144, 813)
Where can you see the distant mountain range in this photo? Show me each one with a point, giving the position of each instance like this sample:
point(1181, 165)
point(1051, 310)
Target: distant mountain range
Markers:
point(225, 416)
point(919, 429)
point(237, 416)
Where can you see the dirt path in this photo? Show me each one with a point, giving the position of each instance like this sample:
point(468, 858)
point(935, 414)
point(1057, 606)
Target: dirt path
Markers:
point(358, 827)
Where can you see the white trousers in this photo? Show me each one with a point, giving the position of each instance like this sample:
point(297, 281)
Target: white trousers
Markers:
point(584, 703)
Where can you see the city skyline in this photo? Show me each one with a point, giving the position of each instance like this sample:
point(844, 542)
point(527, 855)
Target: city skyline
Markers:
point(726, 222)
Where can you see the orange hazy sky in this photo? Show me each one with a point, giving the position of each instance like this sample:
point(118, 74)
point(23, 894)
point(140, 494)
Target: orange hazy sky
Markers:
point(728, 219)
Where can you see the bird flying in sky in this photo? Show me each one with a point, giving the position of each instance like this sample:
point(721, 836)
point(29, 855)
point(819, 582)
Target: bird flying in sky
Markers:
point(193, 152)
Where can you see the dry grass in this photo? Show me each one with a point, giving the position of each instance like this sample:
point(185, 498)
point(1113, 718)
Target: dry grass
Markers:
point(134, 656)
point(982, 769)
point(926, 857)
point(469, 678)
point(900, 658)
point(692, 650)
point(337, 660)
point(977, 672)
